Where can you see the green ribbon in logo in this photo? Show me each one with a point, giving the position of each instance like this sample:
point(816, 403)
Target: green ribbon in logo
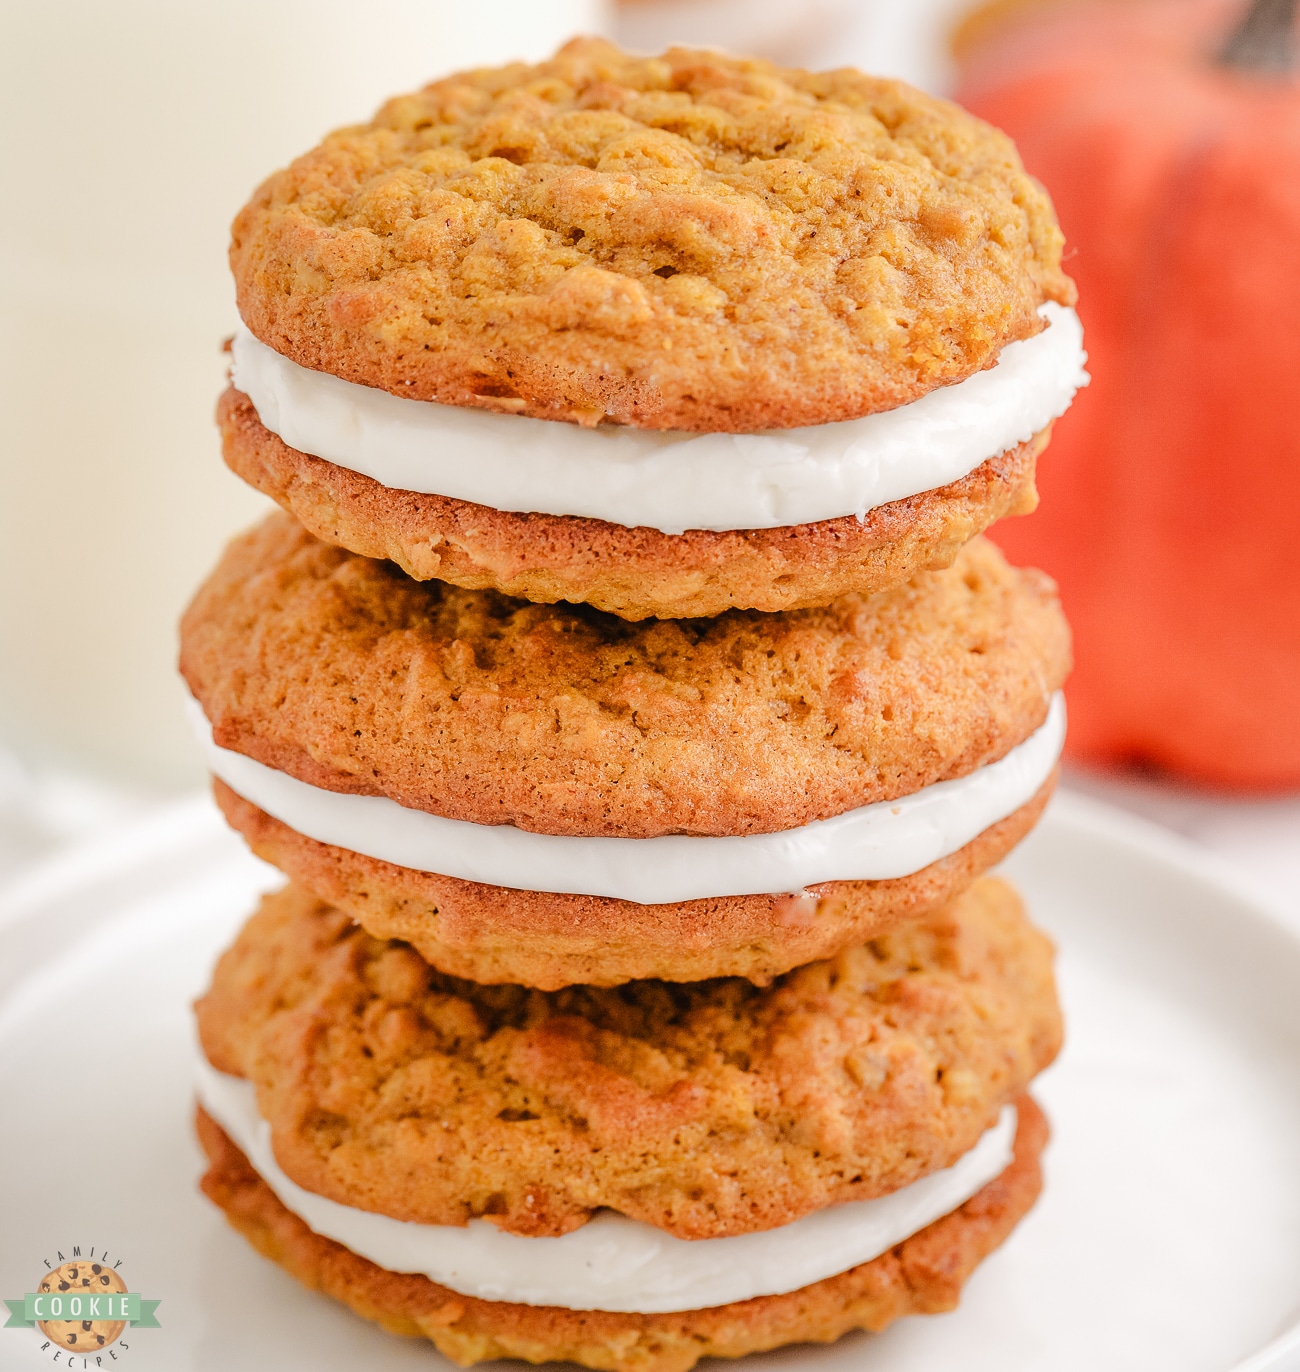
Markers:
point(83, 1305)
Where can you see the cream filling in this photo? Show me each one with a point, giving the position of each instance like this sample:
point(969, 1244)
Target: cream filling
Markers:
point(891, 838)
point(613, 1262)
point(670, 480)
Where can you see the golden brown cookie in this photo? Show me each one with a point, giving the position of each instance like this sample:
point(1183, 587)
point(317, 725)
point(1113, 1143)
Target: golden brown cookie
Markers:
point(82, 1279)
point(344, 673)
point(492, 934)
point(922, 1275)
point(705, 1109)
point(634, 573)
point(692, 241)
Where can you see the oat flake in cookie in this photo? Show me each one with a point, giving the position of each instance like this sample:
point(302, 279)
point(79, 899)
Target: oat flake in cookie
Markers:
point(693, 246)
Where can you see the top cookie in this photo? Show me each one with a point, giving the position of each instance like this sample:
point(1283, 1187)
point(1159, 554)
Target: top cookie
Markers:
point(343, 673)
point(692, 241)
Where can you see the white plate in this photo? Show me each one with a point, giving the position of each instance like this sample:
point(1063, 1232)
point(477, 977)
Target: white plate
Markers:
point(1168, 1236)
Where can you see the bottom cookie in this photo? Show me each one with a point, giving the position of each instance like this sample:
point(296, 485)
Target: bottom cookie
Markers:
point(491, 934)
point(922, 1275)
point(637, 573)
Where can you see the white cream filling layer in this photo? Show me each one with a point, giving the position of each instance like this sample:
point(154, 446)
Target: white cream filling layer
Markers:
point(613, 1262)
point(670, 480)
point(891, 838)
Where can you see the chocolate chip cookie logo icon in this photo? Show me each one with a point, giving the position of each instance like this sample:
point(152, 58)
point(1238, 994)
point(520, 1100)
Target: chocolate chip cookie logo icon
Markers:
point(82, 1306)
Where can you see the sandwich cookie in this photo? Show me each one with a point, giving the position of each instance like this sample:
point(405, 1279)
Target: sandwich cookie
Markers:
point(564, 774)
point(565, 793)
point(664, 335)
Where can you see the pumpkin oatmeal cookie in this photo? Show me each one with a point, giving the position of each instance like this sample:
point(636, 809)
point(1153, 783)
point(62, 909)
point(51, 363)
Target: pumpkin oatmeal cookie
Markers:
point(922, 1275)
point(692, 241)
point(705, 1109)
point(343, 673)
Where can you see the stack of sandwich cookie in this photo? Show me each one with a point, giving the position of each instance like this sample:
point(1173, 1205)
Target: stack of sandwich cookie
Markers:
point(638, 994)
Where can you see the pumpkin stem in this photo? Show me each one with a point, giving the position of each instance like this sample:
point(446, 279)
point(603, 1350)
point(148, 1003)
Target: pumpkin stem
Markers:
point(1264, 40)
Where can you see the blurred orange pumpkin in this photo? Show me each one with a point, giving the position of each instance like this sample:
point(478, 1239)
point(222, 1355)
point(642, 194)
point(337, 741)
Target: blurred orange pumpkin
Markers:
point(1170, 507)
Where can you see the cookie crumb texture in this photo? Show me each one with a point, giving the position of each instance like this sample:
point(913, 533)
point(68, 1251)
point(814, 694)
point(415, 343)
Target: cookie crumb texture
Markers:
point(343, 672)
point(705, 1109)
point(923, 1275)
point(634, 573)
point(691, 241)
